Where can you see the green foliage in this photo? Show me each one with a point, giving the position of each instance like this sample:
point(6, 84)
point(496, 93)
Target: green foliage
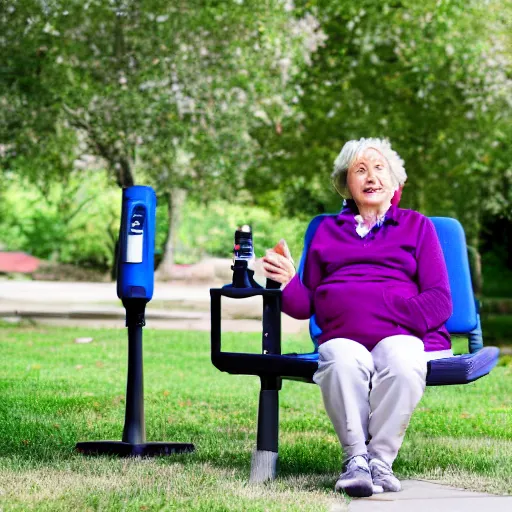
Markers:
point(209, 229)
point(220, 97)
point(78, 222)
point(497, 278)
point(74, 222)
point(166, 91)
point(172, 89)
point(432, 76)
point(497, 329)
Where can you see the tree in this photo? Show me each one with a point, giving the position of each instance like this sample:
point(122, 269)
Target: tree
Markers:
point(432, 76)
point(167, 91)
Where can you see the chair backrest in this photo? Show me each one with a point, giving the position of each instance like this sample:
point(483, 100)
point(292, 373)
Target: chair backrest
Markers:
point(453, 243)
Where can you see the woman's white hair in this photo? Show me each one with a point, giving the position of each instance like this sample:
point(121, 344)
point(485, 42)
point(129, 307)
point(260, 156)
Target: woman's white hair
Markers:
point(354, 149)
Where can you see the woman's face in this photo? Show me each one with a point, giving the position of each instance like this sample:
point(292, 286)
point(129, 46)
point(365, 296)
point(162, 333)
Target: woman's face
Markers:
point(369, 180)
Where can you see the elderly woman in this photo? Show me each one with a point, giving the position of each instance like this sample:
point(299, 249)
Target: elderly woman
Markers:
point(376, 279)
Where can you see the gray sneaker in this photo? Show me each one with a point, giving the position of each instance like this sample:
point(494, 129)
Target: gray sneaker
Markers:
point(356, 479)
point(383, 478)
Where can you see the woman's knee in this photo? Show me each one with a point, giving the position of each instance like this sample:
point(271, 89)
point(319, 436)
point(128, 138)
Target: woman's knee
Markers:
point(344, 352)
point(400, 357)
point(406, 369)
point(347, 358)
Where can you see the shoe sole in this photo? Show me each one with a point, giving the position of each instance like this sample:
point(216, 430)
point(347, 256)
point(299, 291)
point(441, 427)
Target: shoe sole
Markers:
point(356, 491)
point(386, 489)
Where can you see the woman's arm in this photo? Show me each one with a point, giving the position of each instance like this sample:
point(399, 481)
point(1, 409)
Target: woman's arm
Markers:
point(297, 294)
point(432, 307)
point(297, 299)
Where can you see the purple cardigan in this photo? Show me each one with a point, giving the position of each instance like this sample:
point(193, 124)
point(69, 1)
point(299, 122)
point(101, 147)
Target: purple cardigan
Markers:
point(392, 281)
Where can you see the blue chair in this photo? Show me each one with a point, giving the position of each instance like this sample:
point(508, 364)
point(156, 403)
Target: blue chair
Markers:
point(272, 366)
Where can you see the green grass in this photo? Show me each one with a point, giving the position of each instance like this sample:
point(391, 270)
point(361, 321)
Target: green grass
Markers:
point(56, 392)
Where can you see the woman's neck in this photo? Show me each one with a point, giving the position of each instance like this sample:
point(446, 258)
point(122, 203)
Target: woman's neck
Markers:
point(371, 214)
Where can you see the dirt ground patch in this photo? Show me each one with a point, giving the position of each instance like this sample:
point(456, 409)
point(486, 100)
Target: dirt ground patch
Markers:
point(66, 272)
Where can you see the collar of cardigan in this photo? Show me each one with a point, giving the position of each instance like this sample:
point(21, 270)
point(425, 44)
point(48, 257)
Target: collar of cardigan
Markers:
point(349, 210)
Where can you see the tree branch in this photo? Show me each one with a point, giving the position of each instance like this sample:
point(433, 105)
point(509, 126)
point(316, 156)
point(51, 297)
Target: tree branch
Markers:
point(118, 163)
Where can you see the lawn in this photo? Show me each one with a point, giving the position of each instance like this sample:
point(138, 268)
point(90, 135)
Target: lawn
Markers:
point(56, 392)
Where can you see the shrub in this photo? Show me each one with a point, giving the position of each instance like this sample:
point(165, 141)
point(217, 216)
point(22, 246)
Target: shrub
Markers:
point(209, 230)
point(78, 223)
point(74, 222)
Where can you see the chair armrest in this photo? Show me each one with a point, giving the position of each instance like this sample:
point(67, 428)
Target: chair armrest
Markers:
point(271, 335)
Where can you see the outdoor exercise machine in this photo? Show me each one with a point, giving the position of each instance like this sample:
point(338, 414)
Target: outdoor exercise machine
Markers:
point(135, 282)
point(272, 366)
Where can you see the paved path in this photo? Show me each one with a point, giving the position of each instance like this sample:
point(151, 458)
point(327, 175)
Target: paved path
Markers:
point(174, 306)
point(422, 496)
point(84, 293)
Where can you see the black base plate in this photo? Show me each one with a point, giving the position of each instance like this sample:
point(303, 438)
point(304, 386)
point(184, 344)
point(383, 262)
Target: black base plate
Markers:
point(133, 450)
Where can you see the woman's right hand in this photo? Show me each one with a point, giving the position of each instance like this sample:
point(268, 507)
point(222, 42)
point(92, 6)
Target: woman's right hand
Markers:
point(278, 263)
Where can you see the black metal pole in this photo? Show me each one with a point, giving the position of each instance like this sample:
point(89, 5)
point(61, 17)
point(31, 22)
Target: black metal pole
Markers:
point(268, 415)
point(265, 457)
point(268, 409)
point(134, 431)
point(271, 322)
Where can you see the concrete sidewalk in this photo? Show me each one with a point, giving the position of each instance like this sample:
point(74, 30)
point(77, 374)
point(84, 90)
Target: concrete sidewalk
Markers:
point(174, 306)
point(90, 293)
point(423, 496)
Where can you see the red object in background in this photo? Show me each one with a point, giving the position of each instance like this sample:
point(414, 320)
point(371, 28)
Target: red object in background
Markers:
point(397, 196)
point(18, 262)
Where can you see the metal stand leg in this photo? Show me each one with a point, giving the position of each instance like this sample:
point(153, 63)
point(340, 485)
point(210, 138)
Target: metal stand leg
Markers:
point(134, 432)
point(264, 458)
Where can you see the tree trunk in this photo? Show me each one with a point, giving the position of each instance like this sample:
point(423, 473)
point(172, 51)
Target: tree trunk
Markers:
point(475, 267)
point(474, 227)
point(123, 172)
point(124, 178)
point(175, 202)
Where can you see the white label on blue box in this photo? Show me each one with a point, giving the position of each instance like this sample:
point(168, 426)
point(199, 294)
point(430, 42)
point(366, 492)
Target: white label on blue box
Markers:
point(134, 247)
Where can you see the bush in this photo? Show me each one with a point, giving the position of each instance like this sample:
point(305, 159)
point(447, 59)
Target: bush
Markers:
point(209, 230)
point(78, 223)
point(497, 278)
point(74, 222)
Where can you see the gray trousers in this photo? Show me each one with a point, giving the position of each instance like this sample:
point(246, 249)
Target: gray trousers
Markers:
point(370, 396)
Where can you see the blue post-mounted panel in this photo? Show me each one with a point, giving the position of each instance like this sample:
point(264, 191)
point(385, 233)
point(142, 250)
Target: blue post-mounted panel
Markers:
point(135, 276)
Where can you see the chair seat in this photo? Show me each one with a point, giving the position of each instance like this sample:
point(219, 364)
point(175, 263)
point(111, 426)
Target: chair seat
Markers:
point(450, 370)
point(462, 369)
point(440, 372)
point(288, 366)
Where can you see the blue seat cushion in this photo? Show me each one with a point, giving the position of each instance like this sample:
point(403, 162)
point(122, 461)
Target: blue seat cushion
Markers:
point(462, 369)
point(441, 372)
